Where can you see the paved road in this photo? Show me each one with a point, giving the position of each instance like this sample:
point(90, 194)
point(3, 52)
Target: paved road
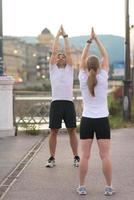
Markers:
point(36, 182)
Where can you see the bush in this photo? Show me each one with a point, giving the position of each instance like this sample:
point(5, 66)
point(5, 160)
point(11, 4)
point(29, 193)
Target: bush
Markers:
point(115, 105)
point(32, 129)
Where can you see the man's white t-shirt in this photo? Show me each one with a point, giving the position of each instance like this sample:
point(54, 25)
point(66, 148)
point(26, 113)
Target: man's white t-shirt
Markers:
point(95, 107)
point(61, 82)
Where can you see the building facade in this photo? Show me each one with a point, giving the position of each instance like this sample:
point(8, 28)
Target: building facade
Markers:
point(27, 61)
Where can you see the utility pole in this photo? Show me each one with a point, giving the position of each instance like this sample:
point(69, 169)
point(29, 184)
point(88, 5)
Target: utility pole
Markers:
point(127, 80)
point(132, 56)
point(1, 41)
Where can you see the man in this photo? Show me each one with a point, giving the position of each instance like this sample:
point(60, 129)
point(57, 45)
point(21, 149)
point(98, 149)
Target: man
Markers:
point(62, 107)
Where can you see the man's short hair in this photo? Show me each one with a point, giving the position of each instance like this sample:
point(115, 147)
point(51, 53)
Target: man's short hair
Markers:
point(60, 53)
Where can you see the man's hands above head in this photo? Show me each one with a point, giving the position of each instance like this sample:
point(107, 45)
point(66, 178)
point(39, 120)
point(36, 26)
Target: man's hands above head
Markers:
point(61, 32)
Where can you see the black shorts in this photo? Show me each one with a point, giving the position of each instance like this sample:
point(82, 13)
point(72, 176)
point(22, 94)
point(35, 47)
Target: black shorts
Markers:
point(62, 110)
point(99, 126)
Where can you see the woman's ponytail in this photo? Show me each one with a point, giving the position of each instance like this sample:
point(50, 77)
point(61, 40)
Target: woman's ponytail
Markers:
point(91, 82)
point(92, 66)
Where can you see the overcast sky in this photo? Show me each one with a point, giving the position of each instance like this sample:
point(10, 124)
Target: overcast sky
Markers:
point(30, 17)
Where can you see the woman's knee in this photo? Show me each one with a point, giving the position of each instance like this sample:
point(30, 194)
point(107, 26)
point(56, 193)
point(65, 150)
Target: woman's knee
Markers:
point(85, 156)
point(104, 155)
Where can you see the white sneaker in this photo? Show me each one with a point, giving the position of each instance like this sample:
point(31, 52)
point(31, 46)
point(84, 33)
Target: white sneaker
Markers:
point(51, 162)
point(82, 190)
point(109, 191)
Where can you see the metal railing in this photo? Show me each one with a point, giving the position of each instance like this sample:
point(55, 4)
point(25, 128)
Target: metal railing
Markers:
point(32, 110)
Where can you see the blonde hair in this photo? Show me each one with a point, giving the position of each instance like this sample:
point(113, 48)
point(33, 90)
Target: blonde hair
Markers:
point(93, 65)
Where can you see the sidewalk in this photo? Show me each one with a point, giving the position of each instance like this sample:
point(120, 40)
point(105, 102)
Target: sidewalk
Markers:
point(59, 183)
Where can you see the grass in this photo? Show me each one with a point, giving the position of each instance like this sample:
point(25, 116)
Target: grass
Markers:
point(31, 129)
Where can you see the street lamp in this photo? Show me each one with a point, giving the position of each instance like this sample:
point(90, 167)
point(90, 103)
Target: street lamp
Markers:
point(132, 56)
point(127, 80)
point(1, 41)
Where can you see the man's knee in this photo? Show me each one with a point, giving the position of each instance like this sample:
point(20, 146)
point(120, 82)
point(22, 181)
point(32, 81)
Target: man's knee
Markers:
point(54, 131)
point(72, 131)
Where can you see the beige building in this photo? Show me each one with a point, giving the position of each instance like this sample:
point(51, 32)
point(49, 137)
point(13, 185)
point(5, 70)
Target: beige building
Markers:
point(28, 61)
point(43, 47)
point(19, 58)
point(14, 57)
point(22, 58)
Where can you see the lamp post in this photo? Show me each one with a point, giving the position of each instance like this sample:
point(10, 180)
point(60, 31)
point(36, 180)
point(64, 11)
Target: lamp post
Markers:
point(132, 56)
point(1, 41)
point(6, 93)
point(127, 80)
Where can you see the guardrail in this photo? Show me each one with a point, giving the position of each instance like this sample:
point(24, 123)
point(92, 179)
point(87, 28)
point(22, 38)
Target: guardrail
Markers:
point(32, 108)
point(32, 112)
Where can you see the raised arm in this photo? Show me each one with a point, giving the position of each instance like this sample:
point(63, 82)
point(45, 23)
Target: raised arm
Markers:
point(85, 52)
point(103, 51)
point(67, 47)
point(55, 47)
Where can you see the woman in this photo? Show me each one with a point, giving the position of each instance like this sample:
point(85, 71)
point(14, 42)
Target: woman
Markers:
point(93, 77)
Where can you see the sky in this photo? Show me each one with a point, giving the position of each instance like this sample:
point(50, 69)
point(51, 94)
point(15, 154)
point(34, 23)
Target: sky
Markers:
point(30, 17)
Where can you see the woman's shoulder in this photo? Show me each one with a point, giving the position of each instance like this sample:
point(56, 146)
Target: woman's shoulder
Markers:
point(82, 73)
point(103, 73)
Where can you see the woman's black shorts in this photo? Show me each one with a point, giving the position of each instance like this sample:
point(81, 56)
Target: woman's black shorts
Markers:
point(62, 110)
point(99, 126)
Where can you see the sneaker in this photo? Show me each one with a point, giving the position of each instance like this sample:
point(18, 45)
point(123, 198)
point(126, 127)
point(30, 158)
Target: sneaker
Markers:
point(76, 161)
point(82, 190)
point(109, 191)
point(50, 162)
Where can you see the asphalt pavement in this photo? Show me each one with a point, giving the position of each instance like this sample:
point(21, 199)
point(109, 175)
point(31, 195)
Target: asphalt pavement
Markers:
point(23, 175)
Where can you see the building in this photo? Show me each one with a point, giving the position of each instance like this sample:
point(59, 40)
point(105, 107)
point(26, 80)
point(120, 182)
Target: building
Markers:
point(27, 58)
point(43, 47)
point(14, 57)
point(22, 58)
